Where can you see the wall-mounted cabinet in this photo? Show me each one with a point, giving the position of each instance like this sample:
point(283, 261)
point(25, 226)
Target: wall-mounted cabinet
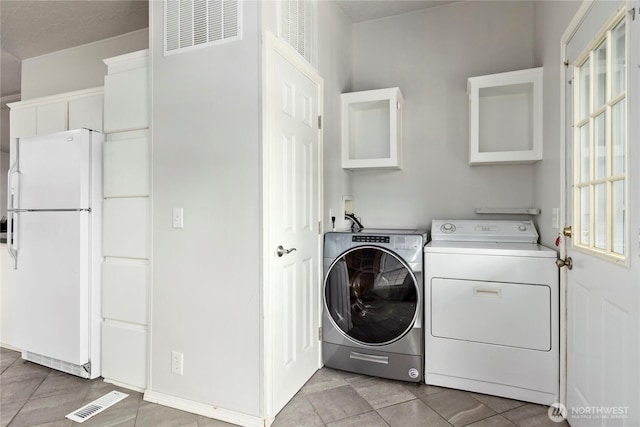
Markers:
point(505, 117)
point(127, 205)
point(372, 129)
point(56, 113)
point(126, 92)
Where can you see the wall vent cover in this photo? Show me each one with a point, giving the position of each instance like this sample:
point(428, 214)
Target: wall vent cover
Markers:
point(194, 24)
point(298, 27)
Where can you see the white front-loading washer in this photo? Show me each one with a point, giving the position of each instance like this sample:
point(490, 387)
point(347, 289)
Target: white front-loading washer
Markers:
point(373, 302)
point(492, 310)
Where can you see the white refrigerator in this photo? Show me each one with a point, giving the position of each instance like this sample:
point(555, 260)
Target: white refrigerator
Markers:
point(54, 235)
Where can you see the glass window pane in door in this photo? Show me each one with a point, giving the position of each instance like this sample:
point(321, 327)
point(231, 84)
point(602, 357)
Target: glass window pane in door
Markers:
point(619, 65)
point(600, 147)
point(618, 136)
point(618, 202)
point(600, 82)
point(584, 92)
point(584, 153)
point(600, 219)
point(585, 220)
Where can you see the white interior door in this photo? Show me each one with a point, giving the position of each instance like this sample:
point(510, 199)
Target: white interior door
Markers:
point(292, 208)
point(602, 194)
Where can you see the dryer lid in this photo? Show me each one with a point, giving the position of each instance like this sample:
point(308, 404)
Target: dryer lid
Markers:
point(498, 231)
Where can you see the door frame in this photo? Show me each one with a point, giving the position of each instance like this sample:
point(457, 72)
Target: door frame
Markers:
point(274, 46)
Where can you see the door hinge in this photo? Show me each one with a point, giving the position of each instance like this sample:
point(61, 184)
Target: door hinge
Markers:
point(632, 12)
point(320, 333)
point(319, 122)
point(320, 227)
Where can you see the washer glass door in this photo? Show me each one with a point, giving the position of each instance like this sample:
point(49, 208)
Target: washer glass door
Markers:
point(371, 295)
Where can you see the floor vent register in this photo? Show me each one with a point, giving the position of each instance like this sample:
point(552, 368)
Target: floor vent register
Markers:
point(97, 406)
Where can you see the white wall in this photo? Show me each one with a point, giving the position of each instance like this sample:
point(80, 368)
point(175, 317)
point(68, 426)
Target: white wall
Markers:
point(429, 55)
point(334, 65)
point(76, 68)
point(551, 18)
point(206, 159)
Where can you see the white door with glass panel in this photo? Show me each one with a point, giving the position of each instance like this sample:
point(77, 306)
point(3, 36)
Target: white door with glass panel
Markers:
point(602, 195)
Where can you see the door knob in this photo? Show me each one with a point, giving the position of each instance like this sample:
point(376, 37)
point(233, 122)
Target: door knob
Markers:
point(280, 250)
point(567, 231)
point(567, 262)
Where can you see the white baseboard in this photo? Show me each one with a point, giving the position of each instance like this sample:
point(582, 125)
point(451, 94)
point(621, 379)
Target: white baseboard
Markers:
point(124, 385)
point(206, 410)
point(10, 347)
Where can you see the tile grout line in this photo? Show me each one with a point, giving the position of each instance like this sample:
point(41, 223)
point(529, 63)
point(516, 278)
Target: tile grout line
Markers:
point(19, 358)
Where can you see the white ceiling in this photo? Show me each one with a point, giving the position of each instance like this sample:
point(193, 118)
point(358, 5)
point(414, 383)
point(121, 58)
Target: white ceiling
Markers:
point(35, 27)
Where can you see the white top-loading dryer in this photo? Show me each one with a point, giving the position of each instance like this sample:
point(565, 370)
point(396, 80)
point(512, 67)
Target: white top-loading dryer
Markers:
point(492, 310)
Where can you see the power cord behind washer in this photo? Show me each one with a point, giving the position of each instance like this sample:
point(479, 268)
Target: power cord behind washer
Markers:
point(355, 224)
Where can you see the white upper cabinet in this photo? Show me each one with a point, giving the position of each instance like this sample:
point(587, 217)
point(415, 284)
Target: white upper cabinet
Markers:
point(56, 113)
point(372, 129)
point(505, 117)
point(52, 117)
point(126, 90)
point(86, 112)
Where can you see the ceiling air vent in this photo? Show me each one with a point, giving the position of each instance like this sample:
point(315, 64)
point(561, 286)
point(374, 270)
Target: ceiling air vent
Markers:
point(298, 26)
point(192, 24)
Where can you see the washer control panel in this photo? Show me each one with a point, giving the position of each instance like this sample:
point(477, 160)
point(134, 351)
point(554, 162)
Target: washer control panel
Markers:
point(370, 239)
point(484, 231)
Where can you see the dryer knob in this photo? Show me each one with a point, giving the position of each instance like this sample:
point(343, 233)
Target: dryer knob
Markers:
point(447, 228)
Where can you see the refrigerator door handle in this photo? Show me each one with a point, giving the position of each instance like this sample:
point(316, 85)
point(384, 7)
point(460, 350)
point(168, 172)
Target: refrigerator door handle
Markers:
point(13, 181)
point(12, 237)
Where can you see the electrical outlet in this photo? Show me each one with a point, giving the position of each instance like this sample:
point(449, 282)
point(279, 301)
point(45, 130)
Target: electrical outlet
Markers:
point(347, 208)
point(177, 360)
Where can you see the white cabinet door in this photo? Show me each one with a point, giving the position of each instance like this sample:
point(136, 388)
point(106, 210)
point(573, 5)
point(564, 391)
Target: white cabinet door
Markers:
point(52, 118)
point(127, 367)
point(23, 123)
point(126, 165)
point(124, 291)
point(126, 227)
point(86, 113)
point(126, 101)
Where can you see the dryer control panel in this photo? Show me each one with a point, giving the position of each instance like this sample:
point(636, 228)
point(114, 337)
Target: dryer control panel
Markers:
point(502, 231)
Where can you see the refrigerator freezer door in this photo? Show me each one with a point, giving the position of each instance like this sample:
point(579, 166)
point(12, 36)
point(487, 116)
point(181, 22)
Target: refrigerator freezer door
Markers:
point(54, 171)
point(52, 291)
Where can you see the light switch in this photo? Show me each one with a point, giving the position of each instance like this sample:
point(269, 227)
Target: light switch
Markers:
point(178, 218)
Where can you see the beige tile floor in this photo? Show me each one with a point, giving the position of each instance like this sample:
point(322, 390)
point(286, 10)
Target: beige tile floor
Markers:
point(32, 395)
